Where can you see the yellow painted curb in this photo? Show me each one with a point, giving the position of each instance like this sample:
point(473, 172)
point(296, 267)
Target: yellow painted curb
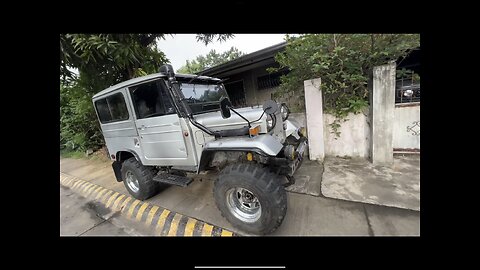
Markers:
point(164, 221)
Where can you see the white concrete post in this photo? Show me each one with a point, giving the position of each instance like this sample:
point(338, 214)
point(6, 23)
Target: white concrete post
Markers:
point(314, 115)
point(382, 106)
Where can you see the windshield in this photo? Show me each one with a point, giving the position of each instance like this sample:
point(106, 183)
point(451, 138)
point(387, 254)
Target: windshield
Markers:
point(203, 97)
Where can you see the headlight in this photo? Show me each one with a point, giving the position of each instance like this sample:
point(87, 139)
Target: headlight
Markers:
point(284, 111)
point(269, 123)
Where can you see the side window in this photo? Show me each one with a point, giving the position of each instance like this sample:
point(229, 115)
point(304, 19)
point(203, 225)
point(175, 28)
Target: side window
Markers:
point(103, 111)
point(112, 109)
point(118, 108)
point(151, 99)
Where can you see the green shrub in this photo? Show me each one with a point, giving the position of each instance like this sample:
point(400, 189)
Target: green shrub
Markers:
point(79, 128)
point(343, 62)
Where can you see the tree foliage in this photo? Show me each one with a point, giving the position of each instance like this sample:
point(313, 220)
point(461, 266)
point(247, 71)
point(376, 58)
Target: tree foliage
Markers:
point(79, 128)
point(209, 38)
point(102, 60)
point(210, 60)
point(107, 59)
point(343, 62)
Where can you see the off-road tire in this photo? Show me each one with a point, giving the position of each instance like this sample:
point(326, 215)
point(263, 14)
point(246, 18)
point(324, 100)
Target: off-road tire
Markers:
point(144, 175)
point(265, 185)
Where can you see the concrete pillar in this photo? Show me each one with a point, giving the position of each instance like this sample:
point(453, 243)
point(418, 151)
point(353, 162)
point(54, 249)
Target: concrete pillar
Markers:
point(314, 115)
point(382, 105)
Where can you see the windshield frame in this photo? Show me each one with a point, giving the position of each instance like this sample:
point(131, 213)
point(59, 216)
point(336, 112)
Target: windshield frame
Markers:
point(203, 103)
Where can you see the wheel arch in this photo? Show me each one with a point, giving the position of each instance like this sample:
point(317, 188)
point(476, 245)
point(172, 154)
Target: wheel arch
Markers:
point(123, 155)
point(264, 145)
point(208, 154)
point(120, 157)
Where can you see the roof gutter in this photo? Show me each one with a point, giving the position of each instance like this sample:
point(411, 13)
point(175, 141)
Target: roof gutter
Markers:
point(248, 59)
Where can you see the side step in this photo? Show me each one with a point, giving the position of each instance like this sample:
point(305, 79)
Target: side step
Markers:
point(171, 179)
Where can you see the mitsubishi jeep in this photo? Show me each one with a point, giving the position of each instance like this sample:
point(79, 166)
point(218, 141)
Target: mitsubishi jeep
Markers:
point(162, 128)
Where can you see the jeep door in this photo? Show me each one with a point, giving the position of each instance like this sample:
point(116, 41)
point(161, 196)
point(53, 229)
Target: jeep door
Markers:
point(160, 129)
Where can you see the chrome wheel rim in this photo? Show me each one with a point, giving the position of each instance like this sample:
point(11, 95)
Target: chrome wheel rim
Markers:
point(243, 204)
point(132, 181)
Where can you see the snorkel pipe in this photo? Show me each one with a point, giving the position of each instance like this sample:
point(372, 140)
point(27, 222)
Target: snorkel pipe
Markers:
point(182, 108)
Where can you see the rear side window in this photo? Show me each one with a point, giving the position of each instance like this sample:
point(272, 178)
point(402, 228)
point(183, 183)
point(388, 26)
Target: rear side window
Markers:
point(112, 109)
point(151, 99)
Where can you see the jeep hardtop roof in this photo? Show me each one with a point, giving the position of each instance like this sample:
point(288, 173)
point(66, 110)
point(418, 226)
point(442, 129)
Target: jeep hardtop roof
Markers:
point(180, 77)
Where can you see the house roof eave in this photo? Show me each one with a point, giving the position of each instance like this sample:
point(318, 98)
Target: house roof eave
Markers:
point(247, 59)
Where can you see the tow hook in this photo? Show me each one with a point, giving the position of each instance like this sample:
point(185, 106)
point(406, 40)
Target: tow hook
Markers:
point(290, 179)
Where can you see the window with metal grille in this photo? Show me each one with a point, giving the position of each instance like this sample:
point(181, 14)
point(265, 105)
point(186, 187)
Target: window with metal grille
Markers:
point(407, 91)
point(269, 80)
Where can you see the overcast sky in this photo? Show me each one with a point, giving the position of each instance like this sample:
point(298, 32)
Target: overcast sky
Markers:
point(182, 47)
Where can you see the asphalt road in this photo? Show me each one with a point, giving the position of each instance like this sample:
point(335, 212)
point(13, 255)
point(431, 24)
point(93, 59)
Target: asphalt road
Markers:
point(82, 216)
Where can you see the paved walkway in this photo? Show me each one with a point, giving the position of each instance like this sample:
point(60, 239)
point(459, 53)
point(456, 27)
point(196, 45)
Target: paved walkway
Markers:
point(358, 180)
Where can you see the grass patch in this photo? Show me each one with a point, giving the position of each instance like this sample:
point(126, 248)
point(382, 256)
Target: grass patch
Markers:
point(72, 154)
point(99, 155)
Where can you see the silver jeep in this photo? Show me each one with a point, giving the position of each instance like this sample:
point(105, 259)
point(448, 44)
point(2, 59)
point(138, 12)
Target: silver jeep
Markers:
point(161, 128)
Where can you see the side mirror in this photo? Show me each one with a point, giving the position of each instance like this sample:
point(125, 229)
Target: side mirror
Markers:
point(225, 107)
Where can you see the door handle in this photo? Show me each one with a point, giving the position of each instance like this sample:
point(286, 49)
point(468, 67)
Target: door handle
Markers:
point(142, 127)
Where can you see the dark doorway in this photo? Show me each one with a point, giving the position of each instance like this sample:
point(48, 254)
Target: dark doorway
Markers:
point(236, 93)
point(411, 61)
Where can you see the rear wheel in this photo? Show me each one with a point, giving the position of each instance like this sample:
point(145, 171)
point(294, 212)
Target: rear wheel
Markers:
point(251, 198)
point(138, 179)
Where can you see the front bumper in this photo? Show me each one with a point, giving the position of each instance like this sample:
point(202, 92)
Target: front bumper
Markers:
point(299, 152)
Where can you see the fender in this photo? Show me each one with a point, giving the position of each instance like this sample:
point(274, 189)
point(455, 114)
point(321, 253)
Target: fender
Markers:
point(291, 129)
point(264, 145)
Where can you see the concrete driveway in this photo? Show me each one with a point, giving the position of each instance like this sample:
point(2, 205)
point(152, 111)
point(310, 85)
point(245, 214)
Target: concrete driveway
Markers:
point(306, 215)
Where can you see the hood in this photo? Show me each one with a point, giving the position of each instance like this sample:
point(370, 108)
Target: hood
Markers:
point(215, 121)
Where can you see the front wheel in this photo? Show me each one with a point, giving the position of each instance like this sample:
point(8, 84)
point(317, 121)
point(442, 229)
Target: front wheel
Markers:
point(251, 198)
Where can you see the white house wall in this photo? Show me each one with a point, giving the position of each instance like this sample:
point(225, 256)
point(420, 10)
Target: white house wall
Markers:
point(406, 128)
